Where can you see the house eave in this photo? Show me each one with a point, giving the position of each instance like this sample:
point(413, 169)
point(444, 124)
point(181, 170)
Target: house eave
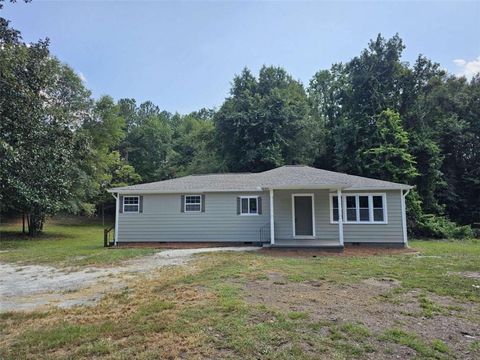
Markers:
point(346, 187)
point(308, 187)
point(375, 188)
point(184, 191)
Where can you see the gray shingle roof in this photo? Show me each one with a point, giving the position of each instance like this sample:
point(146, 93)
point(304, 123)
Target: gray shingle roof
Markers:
point(294, 177)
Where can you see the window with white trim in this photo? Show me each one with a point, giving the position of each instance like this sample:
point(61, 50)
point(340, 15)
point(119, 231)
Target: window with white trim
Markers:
point(131, 204)
point(334, 207)
point(378, 208)
point(249, 205)
point(193, 203)
point(360, 208)
point(351, 208)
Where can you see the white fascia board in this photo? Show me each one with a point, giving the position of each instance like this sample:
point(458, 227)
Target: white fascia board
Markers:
point(190, 191)
point(354, 188)
point(308, 187)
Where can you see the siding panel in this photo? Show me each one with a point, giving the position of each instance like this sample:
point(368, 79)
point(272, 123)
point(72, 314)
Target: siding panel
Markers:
point(385, 233)
point(382, 233)
point(162, 220)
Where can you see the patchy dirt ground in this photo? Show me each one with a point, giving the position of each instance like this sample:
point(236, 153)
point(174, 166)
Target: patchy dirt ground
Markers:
point(31, 287)
point(348, 251)
point(373, 304)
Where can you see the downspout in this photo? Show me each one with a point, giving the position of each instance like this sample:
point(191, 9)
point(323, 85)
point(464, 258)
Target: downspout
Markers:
point(117, 210)
point(404, 216)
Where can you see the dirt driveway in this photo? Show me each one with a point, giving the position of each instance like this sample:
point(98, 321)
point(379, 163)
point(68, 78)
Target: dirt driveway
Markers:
point(29, 287)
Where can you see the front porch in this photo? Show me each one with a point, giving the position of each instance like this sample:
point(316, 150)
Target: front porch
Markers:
point(300, 218)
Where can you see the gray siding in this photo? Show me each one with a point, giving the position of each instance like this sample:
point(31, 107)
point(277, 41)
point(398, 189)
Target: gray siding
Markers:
point(283, 214)
point(162, 220)
point(392, 232)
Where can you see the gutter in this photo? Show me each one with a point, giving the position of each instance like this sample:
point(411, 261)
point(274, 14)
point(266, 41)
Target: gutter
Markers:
point(185, 191)
point(347, 187)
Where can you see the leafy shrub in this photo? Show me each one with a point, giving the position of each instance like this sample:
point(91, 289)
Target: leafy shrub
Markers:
point(439, 227)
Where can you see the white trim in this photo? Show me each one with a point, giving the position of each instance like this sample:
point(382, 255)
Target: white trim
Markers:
point(249, 197)
point(354, 188)
point(117, 211)
point(272, 221)
point(194, 191)
point(357, 204)
point(346, 187)
point(313, 216)
point(404, 216)
point(309, 187)
point(340, 217)
point(138, 204)
point(185, 204)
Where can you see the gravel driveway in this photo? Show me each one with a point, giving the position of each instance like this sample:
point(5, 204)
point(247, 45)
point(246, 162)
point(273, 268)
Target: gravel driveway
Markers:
point(28, 287)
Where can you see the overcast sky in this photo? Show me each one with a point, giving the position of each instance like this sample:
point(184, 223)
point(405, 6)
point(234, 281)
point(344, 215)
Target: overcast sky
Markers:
point(183, 55)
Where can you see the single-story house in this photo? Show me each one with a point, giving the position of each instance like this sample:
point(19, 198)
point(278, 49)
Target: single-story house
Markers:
point(290, 206)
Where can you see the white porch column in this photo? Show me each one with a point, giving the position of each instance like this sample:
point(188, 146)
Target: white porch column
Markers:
point(117, 211)
point(404, 216)
point(340, 216)
point(272, 223)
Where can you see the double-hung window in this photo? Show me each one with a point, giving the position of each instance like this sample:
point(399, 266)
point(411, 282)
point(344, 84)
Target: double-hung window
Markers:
point(249, 205)
point(360, 208)
point(193, 203)
point(131, 204)
point(379, 210)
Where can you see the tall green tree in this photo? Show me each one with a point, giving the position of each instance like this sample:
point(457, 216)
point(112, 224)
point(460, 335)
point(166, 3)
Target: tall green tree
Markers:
point(194, 145)
point(373, 84)
point(421, 121)
point(389, 157)
point(42, 104)
point(325, 93)
point(150, 147)
point(106, 129)
point(259, 125)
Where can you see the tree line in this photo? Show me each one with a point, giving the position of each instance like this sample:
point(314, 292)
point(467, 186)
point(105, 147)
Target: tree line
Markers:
point(375, 116)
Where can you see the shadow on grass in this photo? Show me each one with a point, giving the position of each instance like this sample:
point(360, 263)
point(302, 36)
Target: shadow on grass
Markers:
point(13, 235)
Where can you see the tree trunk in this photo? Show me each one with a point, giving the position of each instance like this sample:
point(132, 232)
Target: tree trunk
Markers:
point(35, 224)
point(23, 223)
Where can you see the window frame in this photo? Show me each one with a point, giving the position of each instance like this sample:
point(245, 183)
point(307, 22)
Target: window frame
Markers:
point(357, 204)
point(185, 203)
point(137, 204)
point(248, 197)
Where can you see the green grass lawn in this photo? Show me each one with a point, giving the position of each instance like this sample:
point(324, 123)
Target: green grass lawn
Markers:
point(253, 305)
point(64, 243)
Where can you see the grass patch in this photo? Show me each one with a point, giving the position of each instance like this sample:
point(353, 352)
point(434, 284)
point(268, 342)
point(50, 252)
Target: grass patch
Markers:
point(297, 315)
point(59, 335)
point(429, 307)
point(475, 346)
point(75, 244)
point(355, 331)
point(440, 346)
point(433, 350)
